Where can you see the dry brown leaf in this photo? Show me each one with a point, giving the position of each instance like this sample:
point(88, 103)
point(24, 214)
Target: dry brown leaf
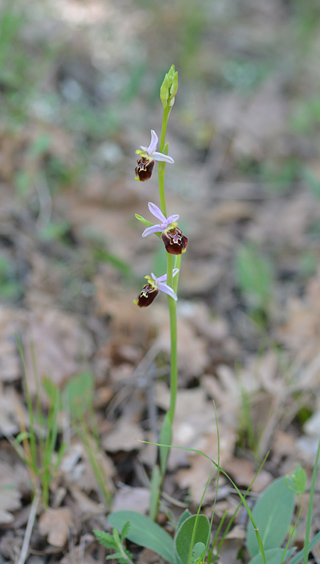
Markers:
point(195, 427)
point(244, 471)
point(11, 408)
point(135, 499)
point(125, 436)
point(11, 479)
point(56, 524)
point(60, 344)
point(86, 506)
point(192, 353)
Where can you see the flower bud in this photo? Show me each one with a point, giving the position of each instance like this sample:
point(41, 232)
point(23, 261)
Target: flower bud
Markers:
point(169, 87)
point(174, 241)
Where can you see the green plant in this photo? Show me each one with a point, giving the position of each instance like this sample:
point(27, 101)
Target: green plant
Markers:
point(38, 446)
point(268, 525)
point(78, 401)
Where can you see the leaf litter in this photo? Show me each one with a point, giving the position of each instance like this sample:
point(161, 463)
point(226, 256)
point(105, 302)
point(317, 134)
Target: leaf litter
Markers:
point(77, 311)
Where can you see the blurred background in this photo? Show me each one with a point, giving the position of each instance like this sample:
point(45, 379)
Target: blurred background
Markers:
point(79, 89)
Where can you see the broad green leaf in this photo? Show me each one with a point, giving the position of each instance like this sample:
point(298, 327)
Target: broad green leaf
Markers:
point(145, 533)
point(272, 514)
point(198, 552)
point(165, 439)
point(183, 517)
point(297, 481)
point(273, 556)
point(184, 536)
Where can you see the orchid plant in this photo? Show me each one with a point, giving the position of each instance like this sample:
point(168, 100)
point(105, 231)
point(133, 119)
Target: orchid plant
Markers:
point(175, 245)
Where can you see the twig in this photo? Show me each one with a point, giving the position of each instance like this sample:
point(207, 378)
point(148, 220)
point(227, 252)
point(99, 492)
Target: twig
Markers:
point(27, 536)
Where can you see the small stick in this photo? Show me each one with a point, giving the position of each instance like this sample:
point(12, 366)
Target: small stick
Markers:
point(27, 536)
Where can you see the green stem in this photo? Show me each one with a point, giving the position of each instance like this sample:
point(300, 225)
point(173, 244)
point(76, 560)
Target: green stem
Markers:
point(173, 336)
point(162, 165)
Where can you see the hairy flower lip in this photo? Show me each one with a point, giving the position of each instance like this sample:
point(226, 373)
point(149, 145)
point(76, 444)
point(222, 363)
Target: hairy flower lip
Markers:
point(174, 241)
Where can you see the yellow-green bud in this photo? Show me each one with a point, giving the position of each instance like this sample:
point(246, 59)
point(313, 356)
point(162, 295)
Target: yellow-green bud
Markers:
point(169, 87)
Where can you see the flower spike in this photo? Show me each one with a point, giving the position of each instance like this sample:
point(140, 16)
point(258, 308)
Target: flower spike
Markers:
point(148, 155)
point(151, 289)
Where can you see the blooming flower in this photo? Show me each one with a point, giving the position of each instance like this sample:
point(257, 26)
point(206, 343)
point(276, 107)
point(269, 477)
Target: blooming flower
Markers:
point(148, 155)
point(151, 289)
point(174, 240)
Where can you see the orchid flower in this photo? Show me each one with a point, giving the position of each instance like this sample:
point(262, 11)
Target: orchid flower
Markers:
point(174, 240)
point(165, 222)
point(151, 289)
point(148, 155)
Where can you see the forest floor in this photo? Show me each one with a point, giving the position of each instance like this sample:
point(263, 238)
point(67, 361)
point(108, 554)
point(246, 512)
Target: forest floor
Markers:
point(79, 95)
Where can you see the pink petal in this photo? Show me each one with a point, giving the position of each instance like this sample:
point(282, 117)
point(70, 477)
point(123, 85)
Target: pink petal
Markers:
point(161, 157)
point(153, 142)
point(173, 218)
point(157, 212)
point(167, 290)
point(152, 229)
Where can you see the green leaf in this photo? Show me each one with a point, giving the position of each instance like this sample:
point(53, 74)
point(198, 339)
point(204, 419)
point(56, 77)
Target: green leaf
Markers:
point(272, 514)
point(144, 221)
point(125, 531)
point(155, 487)
point(19, 438)
point(183, 517)
point(165, 439)
point(273, 556)
point(105, 539)
point(297, 481)
point(298, 557)
point(145, 533)
point(198, 552)
point(186, 535)
point(79, 392)
point(50, 389)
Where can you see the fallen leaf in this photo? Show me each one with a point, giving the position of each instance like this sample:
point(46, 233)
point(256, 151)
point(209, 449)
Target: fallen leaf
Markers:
point(125, 436)
point(56, 524)
point(11, 479)
point(61, 345)
point(135, 499)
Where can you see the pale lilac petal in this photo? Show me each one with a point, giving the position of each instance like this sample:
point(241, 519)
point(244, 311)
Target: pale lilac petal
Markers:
point(145, 149)
point(167, 290)
point(161, 157)
point(157, 212)
point(153, 142)
point(162, 278)
point(152, 229)
point(173, 218)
